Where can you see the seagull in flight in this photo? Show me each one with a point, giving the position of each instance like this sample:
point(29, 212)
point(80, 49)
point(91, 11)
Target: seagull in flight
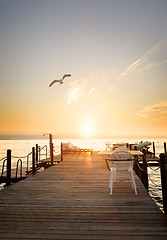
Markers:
point(61, 80)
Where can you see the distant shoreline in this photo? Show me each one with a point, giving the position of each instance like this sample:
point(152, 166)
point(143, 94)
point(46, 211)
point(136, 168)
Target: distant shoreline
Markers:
point(28, 137)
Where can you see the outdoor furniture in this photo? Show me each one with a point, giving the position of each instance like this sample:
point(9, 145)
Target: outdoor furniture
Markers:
point(108, 146)
point(67, 147)
point(70, 148)
point(120, 161)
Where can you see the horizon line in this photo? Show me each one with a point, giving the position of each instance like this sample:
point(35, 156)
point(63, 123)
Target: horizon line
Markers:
point(12, 136)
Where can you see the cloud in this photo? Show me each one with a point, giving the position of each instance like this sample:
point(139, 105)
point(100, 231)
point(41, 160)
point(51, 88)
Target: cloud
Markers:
point(74, 94)
point(164, 112)
point(161, 106)
point(92, 90)
point(80, 88)
point(153, 57)
point(132, 67)
point(88, 86)
point(78, 92)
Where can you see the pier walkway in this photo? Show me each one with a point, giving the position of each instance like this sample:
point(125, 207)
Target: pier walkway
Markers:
point(71, 200)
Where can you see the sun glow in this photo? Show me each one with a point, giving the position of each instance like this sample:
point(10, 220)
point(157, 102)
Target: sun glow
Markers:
point(88, 128)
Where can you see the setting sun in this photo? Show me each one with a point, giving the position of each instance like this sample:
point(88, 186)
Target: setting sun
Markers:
point(88, 128)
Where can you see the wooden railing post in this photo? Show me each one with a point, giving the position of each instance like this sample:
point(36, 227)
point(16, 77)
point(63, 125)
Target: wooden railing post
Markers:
point(33, 160)
point(61, 152)
point(165, 147)
point(51, 148)
point(37, 153)
point(163, 165)
point(8, 180)
point(144, 174)
point(52, 155)
point(154, 149)
point(46, 152)
point(135, 166)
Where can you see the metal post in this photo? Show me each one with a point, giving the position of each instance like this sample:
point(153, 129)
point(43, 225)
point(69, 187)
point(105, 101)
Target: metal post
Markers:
point(33, 160)
point(8, 180)
point(61, 152)
point(37, 152)
point(163, 165)
point(165, 147)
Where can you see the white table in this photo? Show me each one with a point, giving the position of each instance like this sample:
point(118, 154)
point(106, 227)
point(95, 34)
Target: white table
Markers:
point(133, 152)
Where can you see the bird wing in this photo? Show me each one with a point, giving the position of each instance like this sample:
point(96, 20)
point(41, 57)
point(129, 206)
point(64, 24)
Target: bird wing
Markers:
point(54, 81)
point(66, 75)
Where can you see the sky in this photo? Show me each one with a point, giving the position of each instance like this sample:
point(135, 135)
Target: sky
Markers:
point(115, 51)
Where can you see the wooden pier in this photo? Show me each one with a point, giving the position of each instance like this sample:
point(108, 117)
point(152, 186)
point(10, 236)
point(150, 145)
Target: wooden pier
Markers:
point(71, 200)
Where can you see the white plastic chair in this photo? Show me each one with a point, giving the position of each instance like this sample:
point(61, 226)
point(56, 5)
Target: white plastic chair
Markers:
point(121, 161)
point(108, 146)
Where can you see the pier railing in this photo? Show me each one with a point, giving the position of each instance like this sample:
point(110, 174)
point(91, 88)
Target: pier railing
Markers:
point(141, 166)
point(163, 166)
point(42, 152)
point(24, 165)
point(39, 157)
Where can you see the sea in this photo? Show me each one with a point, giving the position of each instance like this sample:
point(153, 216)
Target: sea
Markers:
point(21, 148)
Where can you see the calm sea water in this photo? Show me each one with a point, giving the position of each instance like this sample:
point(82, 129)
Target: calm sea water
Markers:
point(21, 148)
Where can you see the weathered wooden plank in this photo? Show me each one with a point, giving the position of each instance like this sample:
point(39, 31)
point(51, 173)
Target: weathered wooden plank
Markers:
point(71, 201)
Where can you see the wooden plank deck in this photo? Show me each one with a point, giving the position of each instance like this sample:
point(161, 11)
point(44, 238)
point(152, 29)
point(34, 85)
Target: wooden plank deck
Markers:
point(71, 201)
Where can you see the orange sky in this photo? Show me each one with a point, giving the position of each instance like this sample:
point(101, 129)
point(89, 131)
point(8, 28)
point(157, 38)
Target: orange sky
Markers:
point(116, 53)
